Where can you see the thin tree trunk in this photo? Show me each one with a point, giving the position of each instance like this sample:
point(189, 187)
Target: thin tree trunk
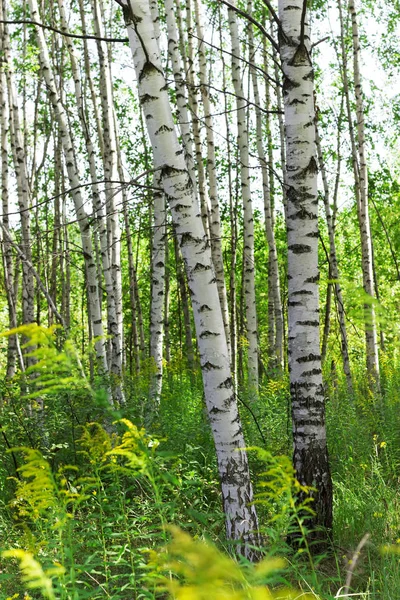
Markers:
point(310, 456)
point(237, 494)
point(167, 343)
point(23, 188)
point(84, 226)
point(113, 356)
point(12, 340)
point(361, 192)
point(157, 299)
point(194, 110)
point(334, 270)
point(214, 217)
point(180, 276)
point(233, 224)
point(248, 219)
point(113, 198)
point(273, 278)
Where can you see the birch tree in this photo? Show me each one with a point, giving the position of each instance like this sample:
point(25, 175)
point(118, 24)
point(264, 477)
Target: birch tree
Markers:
point(248, 219)
point(237, 494)
point(310, 456)
point(157, 297)
point(73, 175)
point(22, 178)
point(361, 182)
point(12, 340)
point(265, 165)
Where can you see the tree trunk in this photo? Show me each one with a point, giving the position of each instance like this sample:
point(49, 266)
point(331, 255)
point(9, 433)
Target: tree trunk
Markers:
point(273, 279)
point(334, 271)
point(180, 277)
point(214, 217)
point(157, 299)
point(84, 226)
point(248, 220)
point(310, 456)
point(113, 200)
point(23, 187)
point(237, 494)
point(12, 341)
point(361, 192)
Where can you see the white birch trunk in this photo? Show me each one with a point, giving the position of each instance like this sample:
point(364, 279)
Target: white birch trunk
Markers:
point(21, 173)
point(273, 279)
point(334, 268)
point(12, 340)
point(371, 338)
point(307, 393)
point(112, 191)
point(181, 99)
point(221, 403)
point(248, 222)
point(194, 110)
point(214, 216)
point(114, 363)
point(157, 297)
point(73, 176)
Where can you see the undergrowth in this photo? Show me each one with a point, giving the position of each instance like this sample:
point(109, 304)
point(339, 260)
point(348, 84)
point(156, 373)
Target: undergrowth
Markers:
point(93, 506)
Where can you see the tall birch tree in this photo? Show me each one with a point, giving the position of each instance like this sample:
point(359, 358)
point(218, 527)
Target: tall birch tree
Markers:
point(74, 180)
point(248, 217)
point(310, 456)
point(237, 494)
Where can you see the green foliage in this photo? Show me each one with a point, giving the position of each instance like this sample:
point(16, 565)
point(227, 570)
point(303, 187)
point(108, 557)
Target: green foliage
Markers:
point(200, 571)
point(88, 515)
point(33, 575)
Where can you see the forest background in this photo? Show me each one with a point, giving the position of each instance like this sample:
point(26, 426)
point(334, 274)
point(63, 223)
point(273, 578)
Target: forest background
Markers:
point(200, 244)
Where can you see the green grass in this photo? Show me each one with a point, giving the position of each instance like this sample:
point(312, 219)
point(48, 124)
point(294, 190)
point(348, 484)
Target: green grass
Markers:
point(97, 506)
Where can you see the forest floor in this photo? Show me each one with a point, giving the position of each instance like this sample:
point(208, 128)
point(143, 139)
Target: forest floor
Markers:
point(89, 515)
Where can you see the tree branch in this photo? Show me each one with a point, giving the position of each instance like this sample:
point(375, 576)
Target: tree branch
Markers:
point(244, 14)
point(70, 35)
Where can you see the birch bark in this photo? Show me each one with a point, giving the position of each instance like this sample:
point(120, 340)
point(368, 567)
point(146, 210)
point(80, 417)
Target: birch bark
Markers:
point(333, 266)
point(180, 276)
point(181, 99)
point(214, 217)
point(21, 173)
point(115, 364)
point(12, 340)
point(112, 192)
point(310, 456)
point(273, 279)
point(371, 338)
point(157, 298)
point(237, 494)
point(248, 222)
point(73, 176)
point(194, 110)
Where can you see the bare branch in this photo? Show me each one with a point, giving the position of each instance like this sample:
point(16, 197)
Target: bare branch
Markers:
point(244, 14)
point(70, 35)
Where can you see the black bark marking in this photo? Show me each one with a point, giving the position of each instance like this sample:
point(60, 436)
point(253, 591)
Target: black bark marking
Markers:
point(208, 366)
point(200, 267)
point(188, 238)
point(208, 334)
point(147, 98)
point(163, 129)
point(226, 384)
point(309, 323)
point(301, 57)
point(148, 69)
point(204, 308)
point(314, 279)
point(299, 248)
point(311, 373)
point(309, 358)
